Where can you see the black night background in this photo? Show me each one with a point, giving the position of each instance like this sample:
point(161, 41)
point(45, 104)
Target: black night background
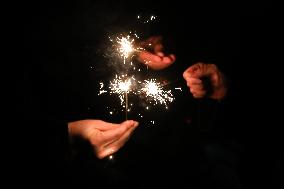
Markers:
point(196, 143)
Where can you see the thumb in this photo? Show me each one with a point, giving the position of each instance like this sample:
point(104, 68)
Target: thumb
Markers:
point(129, 123)
point(193, 71)
point(199, 70)
point(209, 70)
point(117, 132)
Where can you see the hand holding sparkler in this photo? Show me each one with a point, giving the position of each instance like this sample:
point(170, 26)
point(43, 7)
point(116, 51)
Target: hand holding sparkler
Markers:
point(106, 138)
point(154, 55)
point(206, 80)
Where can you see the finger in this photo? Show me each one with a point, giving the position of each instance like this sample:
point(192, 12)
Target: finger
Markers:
point(164, 63)
point(114, 134)
point(194, 71)
point(160, 54)
point(209, 70)
point(197, 87)
point(196, 93)
point(158, 65)
point(200, 70)
point(147, 57)
point(154, 61)
point(193, 81)
point(169, 59)
point(194, 67)
point(116, 145)
point(104, 153)
point(104, 126)
point(119, 143)
point(173, 57)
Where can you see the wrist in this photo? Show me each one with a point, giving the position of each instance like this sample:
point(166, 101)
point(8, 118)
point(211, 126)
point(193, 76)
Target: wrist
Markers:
point(219, 94)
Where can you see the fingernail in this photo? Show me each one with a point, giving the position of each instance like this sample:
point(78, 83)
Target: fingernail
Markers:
point(136, 124)
point(157, 58)
point(160, 54)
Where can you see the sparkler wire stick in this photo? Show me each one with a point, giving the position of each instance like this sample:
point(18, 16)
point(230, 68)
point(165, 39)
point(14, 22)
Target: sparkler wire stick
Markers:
point(126, 104)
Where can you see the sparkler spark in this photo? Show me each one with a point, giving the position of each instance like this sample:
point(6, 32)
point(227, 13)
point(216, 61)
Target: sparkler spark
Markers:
point(122, 86)
point(155, 92)
point(101, 88)
point(126, 46)
point(146, 20)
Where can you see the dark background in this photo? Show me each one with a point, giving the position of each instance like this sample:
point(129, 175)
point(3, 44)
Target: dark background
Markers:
point(196, 143)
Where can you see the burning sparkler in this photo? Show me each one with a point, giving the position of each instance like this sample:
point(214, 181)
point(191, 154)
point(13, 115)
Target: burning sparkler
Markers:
point(122, 85)
point(155, 92)
point(125, 45)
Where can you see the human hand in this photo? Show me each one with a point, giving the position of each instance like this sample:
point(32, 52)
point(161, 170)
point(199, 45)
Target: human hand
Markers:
point(106, 138)
point(196, 77)
point(154, 56)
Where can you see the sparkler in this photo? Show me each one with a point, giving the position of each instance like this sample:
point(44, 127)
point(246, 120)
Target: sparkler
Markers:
point(122, 85)
point(125, 46)
point(154, 90)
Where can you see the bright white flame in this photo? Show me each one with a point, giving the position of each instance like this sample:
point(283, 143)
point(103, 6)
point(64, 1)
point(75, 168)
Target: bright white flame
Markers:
point(101, 88)
point(122, 85)
point(126, 46)
point(152, 88)
point(147, 19)
point(155, 92)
